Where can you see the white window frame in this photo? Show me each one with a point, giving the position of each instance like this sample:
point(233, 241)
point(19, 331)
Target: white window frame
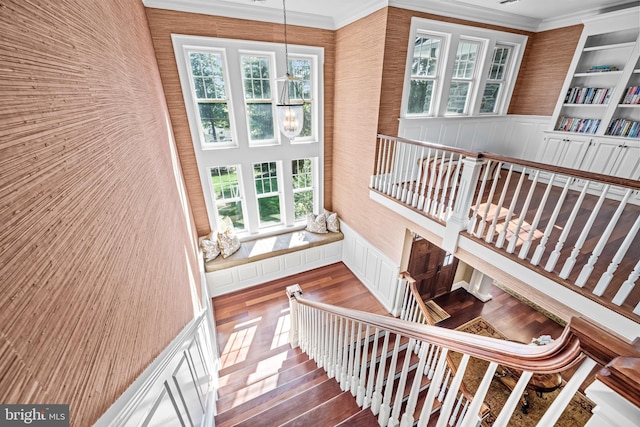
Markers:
point(243, 154)
point(502, 82)
point(314, 95)
point(271, 193)
point(437, 79)
point(453, 34)
point(240, 198)
point(312, 187)
point(473, 80)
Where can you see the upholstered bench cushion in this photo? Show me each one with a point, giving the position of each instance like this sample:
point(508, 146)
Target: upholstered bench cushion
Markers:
point(265, 247)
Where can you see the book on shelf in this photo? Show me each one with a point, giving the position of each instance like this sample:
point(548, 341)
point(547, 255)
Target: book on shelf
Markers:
point(587, 95)
point(578, 125)
point(631, 96)
point(624, 127)
point(602, 68)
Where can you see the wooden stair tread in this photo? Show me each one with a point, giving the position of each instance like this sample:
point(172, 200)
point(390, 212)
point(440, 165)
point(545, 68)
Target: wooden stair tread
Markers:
point(329, 413)
point(260, 403)
point(236, 393)
point(295, 405)
point(364, 418)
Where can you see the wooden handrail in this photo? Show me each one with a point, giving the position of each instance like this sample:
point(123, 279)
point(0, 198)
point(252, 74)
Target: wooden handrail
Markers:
point(558, 356)
point(575, 173)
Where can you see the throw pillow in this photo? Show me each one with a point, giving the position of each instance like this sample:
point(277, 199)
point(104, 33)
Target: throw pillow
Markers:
point(229, 243)
point(316, 224)
point(333, 224)
point(210, 249)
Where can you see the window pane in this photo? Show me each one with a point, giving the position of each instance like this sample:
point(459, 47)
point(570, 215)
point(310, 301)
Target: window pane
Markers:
point(458, 97)
point(208, 79)
point(490, 97)
point(499, 63)
point(260, 121)
point(266, 177)
point(465, 60)
point(302, 177)
point(214, 121)
point(234, 211)
point(256, 77)
point(301, 69)
point(420, 97)
point(269, 210)
point(303, 202)
point(226, 192)
point(425, 56)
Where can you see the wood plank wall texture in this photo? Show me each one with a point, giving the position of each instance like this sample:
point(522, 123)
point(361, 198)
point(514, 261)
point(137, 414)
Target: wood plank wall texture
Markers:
point(163, 23)
point(97, 254)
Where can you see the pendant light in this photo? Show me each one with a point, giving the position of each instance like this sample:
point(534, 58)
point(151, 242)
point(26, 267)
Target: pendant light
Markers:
point(289, 109)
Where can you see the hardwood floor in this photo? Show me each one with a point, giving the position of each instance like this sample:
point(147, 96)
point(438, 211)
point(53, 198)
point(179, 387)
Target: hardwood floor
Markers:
point(263, 381)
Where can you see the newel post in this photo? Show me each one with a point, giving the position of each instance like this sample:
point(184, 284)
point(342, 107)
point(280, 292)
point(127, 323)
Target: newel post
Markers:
point(293, 291)
point(458, 221)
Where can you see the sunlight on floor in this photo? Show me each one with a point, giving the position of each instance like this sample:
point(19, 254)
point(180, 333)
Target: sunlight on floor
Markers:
point(281, 334)
point(237, 348)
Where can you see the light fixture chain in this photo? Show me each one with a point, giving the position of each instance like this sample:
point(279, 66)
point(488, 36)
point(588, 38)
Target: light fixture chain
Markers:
point(286, 48)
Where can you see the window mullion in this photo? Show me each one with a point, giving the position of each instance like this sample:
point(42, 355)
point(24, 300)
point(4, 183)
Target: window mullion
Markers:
point(447, 72)
point(237, 97)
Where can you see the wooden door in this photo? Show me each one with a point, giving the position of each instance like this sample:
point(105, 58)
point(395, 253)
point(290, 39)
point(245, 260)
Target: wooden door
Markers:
point(432, 268)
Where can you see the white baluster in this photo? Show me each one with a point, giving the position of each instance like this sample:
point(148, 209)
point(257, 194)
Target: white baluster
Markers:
point(438, 187)
point(463, 413)
point(627, 286)
point(494, 184)
point(355, 369)
point(418, 190)
point(454, 189)
point(431, 362)
point(553, 257)
point(524, 250)
point(471, 419)
point(326, 338)
point(413, 183)
point(412, 400)
point(445, 186)
point(392, 167)
point(450, 400)
point(427, 407)
point(605, 279)
point(537, 255)
point(378, 175)
point(505, 227)
point(568, 391)
point(571, 261)
point(525, 208)
point(637, 309)
point(424, 167)
point(456, 410)
point(505, 188)
point(445, 384)
point(588, 268)
point(476, 209)
point(372, 370)
point(397, 168)
point(361, 391)
point(385, 407)
point(432, 166)
point(402, 382)
point(376, 399)
point(344, 363)
point(338, 349)
point(513, 400)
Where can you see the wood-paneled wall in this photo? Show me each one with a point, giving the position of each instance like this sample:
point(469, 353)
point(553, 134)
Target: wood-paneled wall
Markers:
point(163, 23)
point(97, 248)
point(544, 67)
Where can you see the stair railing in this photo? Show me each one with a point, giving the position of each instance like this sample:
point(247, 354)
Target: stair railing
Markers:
point(520, 207)
point(363, 351)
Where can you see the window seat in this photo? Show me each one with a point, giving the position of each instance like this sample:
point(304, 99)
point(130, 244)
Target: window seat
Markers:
point(272, 246)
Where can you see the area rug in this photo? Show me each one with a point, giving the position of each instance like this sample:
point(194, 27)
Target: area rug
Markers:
point(575, 415)
point(436, 312)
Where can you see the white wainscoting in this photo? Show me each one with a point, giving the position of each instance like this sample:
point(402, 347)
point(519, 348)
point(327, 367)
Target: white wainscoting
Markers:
point(511, 135)
point(253, 273)
point(176, 389)
point(378, 273)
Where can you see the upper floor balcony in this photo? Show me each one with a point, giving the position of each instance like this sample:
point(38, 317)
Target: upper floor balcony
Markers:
point(570, 234)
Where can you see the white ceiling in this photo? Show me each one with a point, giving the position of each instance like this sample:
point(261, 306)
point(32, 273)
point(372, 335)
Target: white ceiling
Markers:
point(534, 15)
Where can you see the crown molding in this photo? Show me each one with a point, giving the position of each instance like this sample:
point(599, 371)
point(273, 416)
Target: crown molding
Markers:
point(362, 9)
point(455, 9)
point(243, 11)
point(622, 7)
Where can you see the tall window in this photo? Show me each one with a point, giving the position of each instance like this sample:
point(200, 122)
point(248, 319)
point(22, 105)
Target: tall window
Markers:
point(249, 171)
point(496, 79)
point(228, 194)
point(301, 68)
point(211, 96)
point(256, 78)
point(302, 173)
point(265, 177)
point(424, 73)
point(462, 76)
point(459, 70)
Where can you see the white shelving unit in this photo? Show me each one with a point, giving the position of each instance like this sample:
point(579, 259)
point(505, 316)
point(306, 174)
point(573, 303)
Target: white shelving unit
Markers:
point(591, 131)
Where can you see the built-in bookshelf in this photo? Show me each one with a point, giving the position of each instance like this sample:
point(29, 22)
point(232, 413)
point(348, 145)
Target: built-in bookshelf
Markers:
point(601, 94)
